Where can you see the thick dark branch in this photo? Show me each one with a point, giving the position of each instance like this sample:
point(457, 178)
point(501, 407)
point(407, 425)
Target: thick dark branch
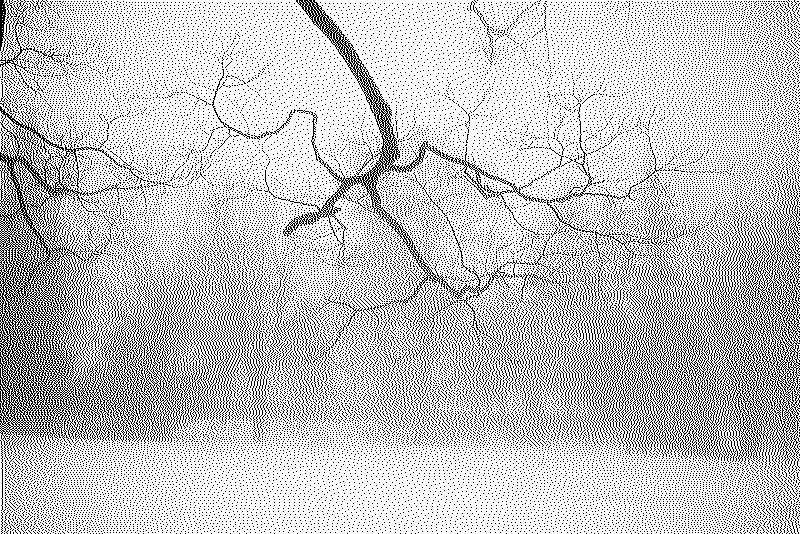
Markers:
point(380, 108)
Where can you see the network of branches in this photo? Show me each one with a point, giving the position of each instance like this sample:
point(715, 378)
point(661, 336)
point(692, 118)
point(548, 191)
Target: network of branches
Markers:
point(558, 202)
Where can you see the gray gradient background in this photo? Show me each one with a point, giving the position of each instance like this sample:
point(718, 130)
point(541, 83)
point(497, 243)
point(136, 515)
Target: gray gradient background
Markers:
point(690, 354)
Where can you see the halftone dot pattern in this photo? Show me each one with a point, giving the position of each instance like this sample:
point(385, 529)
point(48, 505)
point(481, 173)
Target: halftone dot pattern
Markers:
point(116, 487)
point(397, 267)
point(545, 140)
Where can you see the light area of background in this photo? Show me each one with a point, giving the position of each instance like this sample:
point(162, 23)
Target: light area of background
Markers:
point(80, 487)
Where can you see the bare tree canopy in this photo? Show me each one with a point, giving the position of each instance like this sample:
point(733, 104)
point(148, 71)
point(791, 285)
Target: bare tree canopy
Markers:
point(527, 222)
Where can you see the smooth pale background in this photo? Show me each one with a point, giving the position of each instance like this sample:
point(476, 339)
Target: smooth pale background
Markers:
point(720, 74)
point(126, 487)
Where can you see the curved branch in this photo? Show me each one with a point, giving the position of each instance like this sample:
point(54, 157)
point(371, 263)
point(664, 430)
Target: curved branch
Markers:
point(380, 108)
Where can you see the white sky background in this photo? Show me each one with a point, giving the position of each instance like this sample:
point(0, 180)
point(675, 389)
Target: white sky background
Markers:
point(718, 74)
